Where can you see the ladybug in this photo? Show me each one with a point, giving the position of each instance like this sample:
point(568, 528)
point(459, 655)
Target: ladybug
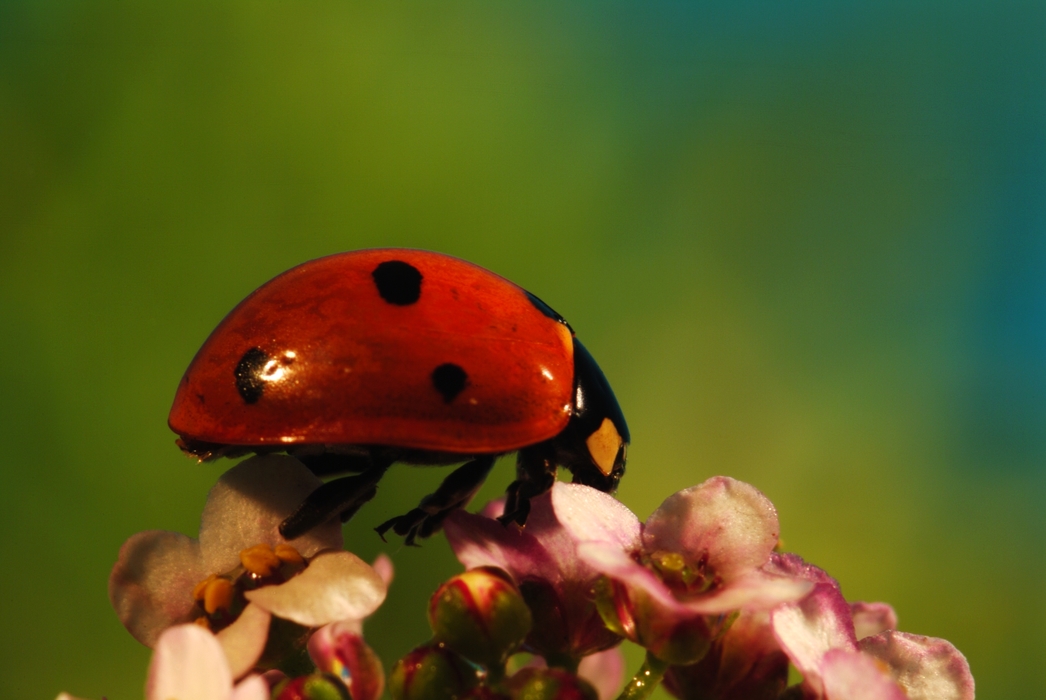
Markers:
point(355, 361)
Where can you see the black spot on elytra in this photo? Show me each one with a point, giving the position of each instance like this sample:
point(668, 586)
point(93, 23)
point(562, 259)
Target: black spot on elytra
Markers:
point(398, 282)
point(449, 380)
point(547, 310)
point(248, 375)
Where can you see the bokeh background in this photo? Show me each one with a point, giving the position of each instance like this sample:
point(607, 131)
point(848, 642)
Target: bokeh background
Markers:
point(805, 241)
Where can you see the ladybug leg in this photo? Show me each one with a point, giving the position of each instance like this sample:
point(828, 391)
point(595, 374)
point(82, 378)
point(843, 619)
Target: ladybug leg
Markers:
point(455, 492)
point(535, 474)
point(341, 496)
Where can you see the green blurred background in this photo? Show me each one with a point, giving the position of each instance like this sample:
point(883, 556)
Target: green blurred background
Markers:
point(805, 241)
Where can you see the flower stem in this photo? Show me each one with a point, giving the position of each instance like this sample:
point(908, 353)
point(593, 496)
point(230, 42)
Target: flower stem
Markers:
point(645, 680)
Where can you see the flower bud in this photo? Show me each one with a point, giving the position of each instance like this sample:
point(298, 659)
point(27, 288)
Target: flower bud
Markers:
point(432, 672)
point(481, 615)
point(339, 649)
point(567, 624)
point(673, 639)
point(746, 661)
point(550, 684)
point(318, 686)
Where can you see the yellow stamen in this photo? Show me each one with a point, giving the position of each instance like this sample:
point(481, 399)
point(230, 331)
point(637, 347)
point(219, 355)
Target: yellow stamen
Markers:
point(202, 621)
point(289, 555)
point(217, 596)
point(669, 561)
point(674, 570)
point(260, 560)
point(199, 589)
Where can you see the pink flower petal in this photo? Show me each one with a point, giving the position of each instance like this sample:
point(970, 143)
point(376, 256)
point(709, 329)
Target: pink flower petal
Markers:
point(813, 626)
point(605, 670)
point(244, 640)
point(852, 676)
point(273, 677)
point(650, 614)
point(927, 668)
point(383, 566)
point(615, 563)
point(494, 509)
point(794, 566)
point(253, 688)
point(151, 584)
point(750, 654)
point(753, 591)
point(480, 541)
point(335, 586)
point(544, 550)
point(248, 504)
point(542, 559)
point(728, 523)
point(872, 618)
point(559, 542)
point(188, 663)
point(590, 515)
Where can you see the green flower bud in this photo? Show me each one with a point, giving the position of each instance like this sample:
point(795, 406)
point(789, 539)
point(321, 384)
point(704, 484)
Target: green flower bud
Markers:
point(432, 672)
point(481, 615)
point(550, 684)
point(318, 686)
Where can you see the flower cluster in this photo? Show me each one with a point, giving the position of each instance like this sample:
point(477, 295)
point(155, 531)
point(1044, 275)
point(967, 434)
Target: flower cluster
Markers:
point(702, 588)
point(268, 605)
point(539, 612)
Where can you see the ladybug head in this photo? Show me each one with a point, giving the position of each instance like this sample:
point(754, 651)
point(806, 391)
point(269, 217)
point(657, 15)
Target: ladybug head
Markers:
point(595, 442)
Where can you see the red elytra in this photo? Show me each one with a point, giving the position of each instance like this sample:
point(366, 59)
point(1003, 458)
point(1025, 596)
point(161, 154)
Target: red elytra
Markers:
point(358, 360)
point(336, 363)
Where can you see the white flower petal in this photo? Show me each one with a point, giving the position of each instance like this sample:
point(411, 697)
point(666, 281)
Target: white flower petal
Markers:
point(813, 626)
point(852, 676)
point(335, 586)
point(151, 584)
point(244, 640)
point(188, 664)
point(926, 667)
point(248, 504)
